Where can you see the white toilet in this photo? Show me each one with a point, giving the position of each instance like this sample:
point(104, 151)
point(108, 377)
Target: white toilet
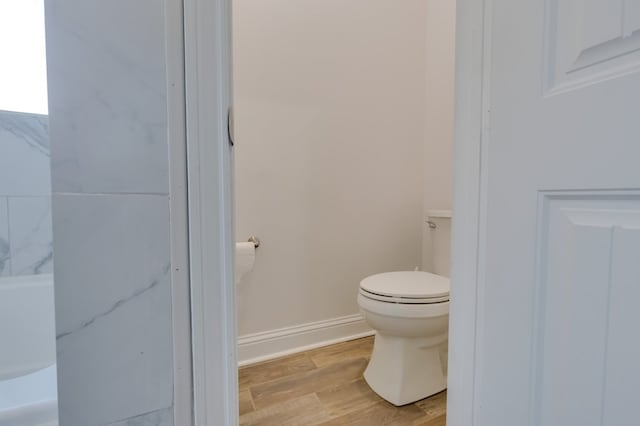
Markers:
point(410, 312)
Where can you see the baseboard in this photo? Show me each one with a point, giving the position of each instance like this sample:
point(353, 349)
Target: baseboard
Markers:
point(258, 347)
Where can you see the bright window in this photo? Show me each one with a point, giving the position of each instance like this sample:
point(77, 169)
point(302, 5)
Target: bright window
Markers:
point(23, 70)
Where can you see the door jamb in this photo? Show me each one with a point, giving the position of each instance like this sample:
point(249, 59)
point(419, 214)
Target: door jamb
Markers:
point(207, 49)
point(176, 137)
point(473, 53)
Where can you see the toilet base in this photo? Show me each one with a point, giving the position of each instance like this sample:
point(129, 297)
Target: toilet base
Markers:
point(404, 370)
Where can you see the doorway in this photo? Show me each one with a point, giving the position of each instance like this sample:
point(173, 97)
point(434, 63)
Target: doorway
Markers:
point(222, 157)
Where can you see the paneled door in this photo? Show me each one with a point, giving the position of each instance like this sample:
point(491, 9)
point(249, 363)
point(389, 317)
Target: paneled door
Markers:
point(559, 308)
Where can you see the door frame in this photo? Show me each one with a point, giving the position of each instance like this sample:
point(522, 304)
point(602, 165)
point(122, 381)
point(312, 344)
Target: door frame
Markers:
point(207, 43)
point(207, 53)
point(473, 53)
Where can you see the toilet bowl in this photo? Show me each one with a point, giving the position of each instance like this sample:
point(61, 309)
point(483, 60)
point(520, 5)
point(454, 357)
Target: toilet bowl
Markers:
point(409, 311)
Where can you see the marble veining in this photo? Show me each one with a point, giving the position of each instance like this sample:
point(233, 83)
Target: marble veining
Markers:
point(24, 155)
point(31, 129)
point(44, 263)
point(116, 305)
point(26, 246)
point(163, 417)
point(113, 306)
point(111, 113)
point(128, 352)
point(31, 240)
point(25, 193)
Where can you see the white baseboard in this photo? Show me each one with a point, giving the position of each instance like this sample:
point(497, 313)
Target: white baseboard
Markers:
point(257, 347)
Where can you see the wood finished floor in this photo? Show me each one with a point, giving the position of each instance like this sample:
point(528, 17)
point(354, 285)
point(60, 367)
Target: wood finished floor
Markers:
point(325, 387)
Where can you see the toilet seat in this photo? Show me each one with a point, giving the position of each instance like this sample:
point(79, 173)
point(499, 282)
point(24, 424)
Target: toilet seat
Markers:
point(403, 300)
point(406, 287)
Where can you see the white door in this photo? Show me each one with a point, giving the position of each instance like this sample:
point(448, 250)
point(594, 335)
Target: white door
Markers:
point(558, 309)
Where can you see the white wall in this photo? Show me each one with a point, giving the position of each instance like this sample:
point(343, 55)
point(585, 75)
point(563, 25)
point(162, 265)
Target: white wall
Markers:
point(330, 107)
point(439, 116)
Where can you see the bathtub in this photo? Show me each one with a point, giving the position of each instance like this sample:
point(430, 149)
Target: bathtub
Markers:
point(28, 390)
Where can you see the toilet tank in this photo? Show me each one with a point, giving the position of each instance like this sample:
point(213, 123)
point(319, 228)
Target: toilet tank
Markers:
point(436, 242)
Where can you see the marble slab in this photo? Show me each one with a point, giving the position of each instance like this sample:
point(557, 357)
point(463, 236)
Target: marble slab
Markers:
point(108, 116)
point(24, 155)
point(30, 235)
point(113, 307)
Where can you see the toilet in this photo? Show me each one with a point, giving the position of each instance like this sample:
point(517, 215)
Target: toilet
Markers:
point(409, 310)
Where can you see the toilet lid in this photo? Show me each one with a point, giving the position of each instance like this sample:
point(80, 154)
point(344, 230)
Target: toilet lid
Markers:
point(407, 285)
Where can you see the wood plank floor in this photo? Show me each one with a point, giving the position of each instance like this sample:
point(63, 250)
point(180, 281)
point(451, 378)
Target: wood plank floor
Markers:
point(325, 387)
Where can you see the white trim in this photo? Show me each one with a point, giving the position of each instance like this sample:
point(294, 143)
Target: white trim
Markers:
point(473, 45)
point(266, 345)
point(180, 303)
point(211, 241)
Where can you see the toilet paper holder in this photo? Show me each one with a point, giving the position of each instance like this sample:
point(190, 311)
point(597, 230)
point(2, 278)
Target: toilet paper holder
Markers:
point(255, 240)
